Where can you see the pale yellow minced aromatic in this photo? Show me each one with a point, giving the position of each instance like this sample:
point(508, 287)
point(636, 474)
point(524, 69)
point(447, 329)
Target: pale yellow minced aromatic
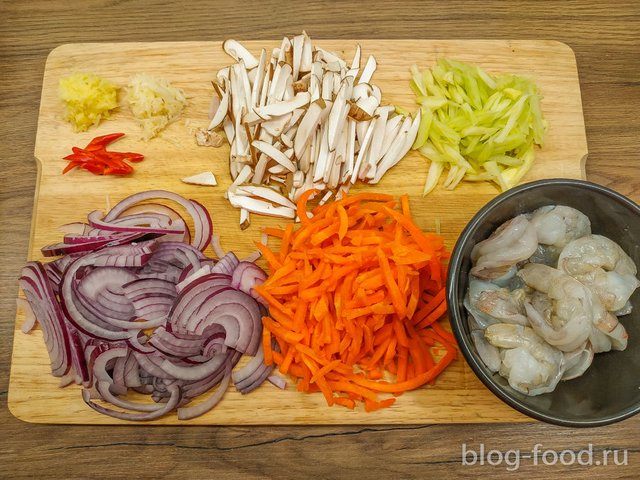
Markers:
point(154, 103)
point(87, 99)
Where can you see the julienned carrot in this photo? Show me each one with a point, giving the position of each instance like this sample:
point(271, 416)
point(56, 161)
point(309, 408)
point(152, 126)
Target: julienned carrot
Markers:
point(355, 296)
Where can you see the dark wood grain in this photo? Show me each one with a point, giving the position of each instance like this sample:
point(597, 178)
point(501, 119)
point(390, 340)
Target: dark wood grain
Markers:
point(605, 38)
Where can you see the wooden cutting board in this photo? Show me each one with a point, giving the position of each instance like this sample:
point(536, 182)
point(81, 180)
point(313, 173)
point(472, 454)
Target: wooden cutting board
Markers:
point(457, 396)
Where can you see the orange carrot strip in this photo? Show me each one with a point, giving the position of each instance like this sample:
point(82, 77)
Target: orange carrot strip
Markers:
point(443, 333)
point(301, 209)
point(433, 316)
point(371, 406)
point(423, 312)
point(325, 369)
point(404, 204)
point(286, 242)
point(345, 402)
point(266, 347)
point(394, 291)
point(412, 383)
point(273, 232)
point(344, 221)
point(269, 256)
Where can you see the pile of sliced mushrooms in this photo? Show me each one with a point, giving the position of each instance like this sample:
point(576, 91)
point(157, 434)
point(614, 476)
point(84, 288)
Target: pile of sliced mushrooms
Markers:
point(302, 118)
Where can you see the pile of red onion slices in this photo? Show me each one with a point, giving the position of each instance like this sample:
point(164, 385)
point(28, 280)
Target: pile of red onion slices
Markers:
point(133, 305)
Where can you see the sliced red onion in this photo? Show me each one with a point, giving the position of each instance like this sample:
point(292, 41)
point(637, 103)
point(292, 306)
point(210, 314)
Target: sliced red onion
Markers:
point(29, 316)
point(249, 377)
point(131, 271)
point(171, 404)
point(201, 272)
point(37, 289)
point(240, 318)
point(186, 413)
point(217, 247)
point(246, 276)
point(226, 265)
point(75, 228)
point(278, 381)
point(133, 224)
point(193, 372)
point(200, 216)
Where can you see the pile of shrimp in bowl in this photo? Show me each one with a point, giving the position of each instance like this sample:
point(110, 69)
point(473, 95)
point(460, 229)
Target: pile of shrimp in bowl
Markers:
point(545, 295)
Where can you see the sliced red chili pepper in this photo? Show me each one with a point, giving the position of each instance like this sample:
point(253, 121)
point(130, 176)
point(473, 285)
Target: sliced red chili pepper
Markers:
point(96, 159)
point(99, 143)
point(71, 166)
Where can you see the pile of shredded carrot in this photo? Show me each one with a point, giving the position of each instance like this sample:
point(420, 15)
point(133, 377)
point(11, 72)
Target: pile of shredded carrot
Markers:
point(355, 294)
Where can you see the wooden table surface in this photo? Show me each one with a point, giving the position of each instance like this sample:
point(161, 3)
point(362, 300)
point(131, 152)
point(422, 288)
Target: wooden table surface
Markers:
point(606, 39)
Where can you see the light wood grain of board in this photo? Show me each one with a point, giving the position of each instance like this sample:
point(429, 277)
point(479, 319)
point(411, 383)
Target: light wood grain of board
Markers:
point(457, 396)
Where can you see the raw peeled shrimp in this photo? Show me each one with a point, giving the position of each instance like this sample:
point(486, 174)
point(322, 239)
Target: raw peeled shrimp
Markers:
point(603, 266)
point(564, 316)
point(490, 303)
point(557, 225)
point(609, 334)
point(578, 361)
point(512, 242)
point(530, 365)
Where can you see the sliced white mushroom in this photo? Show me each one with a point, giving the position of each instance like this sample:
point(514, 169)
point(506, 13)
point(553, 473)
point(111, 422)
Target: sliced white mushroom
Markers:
point(243, 176)
point(355, 63)
point(302, 83)
point(391, 131)
point(271, 151)
point(285, 46)
point(286, 140)
point(266, 194)
point(307, 55)
point(325, 198)
point(297, 44)
point(239, 53)
point(298, 178)
point(277, 109)
point(242, 76)
point(260, 170)
point(338, 115)
point(329, 57)
point(261, 207)
point(229, 131)
point(279, 83)
point(252, 118)
point(377, 137)
point(327, 86)
point(315, 81)
point(245, 219)
point(307, 127)
point(364, 148)
point(368, 70)
point(266, 82)
point(368, 105)
point(361, 90)
point(299, 118)
point(276, 125)
point(258, 81)
point(350, 154)
point(376, 92)
point(222, 75)
point(324, 156)
point(277, 169)
point(204, 178)
point(399, 148)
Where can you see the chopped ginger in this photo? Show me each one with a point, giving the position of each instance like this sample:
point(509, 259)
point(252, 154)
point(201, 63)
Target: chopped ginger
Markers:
point(87, 98)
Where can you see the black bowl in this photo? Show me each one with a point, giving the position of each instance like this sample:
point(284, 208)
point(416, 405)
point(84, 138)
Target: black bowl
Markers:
point(609, 391)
